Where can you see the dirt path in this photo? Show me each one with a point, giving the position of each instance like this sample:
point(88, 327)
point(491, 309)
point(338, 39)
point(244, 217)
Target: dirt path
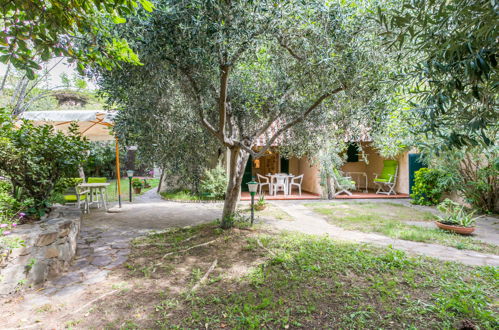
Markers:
point(308, 222)
point(103, 244)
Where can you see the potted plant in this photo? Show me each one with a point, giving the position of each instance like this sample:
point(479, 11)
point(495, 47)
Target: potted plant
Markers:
point(261, 204)
point(137, 185)
point(456, 218)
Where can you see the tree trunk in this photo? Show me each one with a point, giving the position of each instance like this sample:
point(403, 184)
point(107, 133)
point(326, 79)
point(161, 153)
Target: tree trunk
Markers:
point(329, 187)
point(238, 159)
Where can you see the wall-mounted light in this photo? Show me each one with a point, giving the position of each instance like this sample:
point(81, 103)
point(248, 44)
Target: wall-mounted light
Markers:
point(256, 163)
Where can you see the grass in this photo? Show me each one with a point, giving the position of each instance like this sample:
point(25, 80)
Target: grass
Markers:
point(112, 189)
point(393, 220)
point(268, 280)
point(184, 195)
point(270, 211)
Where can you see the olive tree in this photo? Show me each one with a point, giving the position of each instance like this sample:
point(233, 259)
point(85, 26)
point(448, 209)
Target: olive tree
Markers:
point(246, 69)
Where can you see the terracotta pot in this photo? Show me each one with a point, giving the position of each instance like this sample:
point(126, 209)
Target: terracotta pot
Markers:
point(259, 207)
point(457, 229)
point(137, 190)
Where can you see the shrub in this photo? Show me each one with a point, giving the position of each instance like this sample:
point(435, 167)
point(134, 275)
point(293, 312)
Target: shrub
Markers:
point(36, 158)
point(475, 175)
point(429, 185)
point(214, 182)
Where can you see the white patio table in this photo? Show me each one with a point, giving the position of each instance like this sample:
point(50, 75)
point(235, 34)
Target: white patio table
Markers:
point(100, 187)
point(274, 176)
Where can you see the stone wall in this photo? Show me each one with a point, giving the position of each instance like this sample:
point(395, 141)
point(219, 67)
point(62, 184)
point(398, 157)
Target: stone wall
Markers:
point(50, 245)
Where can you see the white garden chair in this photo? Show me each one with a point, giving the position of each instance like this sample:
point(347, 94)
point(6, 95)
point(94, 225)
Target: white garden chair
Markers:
point(296, 181)
point(280, 184)
point(263, 181)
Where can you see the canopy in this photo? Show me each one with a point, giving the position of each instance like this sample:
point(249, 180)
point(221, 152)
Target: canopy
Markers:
point(93, 124)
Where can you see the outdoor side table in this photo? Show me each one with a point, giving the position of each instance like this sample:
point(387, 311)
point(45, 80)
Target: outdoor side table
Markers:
point(358, 181)
point(100, 188)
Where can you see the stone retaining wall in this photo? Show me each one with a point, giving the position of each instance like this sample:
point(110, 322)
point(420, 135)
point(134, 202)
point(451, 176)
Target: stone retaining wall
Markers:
point(50, 245)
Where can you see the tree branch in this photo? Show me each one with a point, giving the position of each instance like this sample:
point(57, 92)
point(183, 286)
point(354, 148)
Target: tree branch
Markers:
point(290, 51)
point(222, 106)
point(297, 120)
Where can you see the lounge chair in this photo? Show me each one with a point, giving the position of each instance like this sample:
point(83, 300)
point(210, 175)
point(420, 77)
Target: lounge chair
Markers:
point(343, 184)
point(387, 180)
point(77, 195)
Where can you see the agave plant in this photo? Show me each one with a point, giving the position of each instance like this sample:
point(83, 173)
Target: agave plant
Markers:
point(456, 214)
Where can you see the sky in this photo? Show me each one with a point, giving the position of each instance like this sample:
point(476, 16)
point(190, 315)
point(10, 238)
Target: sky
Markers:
point(54, 77)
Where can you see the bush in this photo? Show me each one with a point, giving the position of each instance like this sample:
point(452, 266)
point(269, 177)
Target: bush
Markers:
point(429, 185)
point(36, 158)
point(214, 182)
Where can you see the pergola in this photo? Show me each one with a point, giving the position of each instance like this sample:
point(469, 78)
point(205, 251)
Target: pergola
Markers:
point(95, 125)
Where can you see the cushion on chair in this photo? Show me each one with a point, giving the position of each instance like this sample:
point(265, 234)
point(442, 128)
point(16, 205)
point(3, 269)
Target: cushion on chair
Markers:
point(73, 198)
point(389, 169)
point(96, 180)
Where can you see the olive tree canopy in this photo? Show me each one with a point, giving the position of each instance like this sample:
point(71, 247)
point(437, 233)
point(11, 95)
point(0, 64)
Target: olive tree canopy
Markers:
point(246, 69)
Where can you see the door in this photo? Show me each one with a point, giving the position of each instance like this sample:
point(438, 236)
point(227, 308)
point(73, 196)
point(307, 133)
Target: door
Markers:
point(415, 163)
point(284, 165)
point(248, 175)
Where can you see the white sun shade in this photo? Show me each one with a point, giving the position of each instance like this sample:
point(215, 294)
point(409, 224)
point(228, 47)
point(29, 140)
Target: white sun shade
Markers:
point(93, 124)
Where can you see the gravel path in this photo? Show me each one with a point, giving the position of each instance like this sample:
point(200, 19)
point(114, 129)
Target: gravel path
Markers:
point(308, 222)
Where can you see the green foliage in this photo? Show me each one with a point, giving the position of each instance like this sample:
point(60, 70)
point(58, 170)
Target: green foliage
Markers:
point(101, 159)
point(261, 200)
point(137, 183)
point(36, 158)
point(214, 182)
point(49, 28)
point(454, 44)
point(429, 185)
point(456, 214)
point(472, 173)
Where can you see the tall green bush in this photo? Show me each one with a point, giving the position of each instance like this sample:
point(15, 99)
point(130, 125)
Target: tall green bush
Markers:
point(214, 182)
point(35, 158)
point(429, 185)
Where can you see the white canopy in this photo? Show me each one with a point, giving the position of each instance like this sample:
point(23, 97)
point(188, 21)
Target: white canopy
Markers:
point(93, 124)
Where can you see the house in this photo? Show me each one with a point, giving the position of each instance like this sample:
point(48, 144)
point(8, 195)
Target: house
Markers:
point(361, 167)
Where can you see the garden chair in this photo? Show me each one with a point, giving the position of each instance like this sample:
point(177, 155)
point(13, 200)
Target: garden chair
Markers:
point(95, 193)
point(280, 185)
point(77, 195)
point(263, 181)
point(296, 181)
point(387, 180)
point(343, 184)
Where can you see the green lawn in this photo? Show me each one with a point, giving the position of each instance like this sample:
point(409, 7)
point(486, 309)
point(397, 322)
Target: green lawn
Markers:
point(112, 189)
point(268, 280)
point(388, 219)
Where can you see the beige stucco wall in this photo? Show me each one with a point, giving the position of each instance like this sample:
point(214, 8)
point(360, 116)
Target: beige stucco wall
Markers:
point(311, 175)
point(375, 166)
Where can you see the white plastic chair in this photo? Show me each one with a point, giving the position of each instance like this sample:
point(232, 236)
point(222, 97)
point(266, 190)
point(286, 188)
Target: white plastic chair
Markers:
point(263, 181)
point(280, 184)
point(296, 181)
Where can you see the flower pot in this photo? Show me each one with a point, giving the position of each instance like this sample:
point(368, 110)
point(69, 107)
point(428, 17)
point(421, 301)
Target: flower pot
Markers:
point(457, 229)
point(137, 190)
point(260, 207)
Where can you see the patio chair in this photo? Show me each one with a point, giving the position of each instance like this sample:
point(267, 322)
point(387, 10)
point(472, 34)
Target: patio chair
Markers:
point(263, 181)
point(296, 181)
point(280, 185)
point(343, 184)
point(77, 196)
point(387, 180)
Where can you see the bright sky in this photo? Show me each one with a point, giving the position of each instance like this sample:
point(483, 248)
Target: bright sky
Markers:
point(54, 77)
